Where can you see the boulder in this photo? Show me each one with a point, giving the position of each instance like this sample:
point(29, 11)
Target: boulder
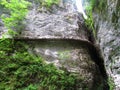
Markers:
point(60, 36)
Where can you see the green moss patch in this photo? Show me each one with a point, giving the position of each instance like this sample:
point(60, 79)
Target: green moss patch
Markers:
point(20, 70)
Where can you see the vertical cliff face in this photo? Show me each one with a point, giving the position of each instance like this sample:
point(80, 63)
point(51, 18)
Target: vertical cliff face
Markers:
point(59, 35)
point(107, 23)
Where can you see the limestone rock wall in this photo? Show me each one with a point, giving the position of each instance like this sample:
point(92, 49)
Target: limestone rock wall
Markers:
point(56, 36)
point(107, 23)
point(72, 56)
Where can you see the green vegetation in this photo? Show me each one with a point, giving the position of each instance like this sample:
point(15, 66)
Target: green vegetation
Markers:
point(47, 3)
point(20, 70)
point(64, 55)
point(89, 21)
point(17, 10)
point(98, 6)
point(111, 83)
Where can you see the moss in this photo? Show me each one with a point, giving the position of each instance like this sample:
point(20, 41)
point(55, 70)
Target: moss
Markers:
point(47, 4)
point(16, 13)
point(114, 18)
point(99, 5)
point(64, 55)
point(20, 70)
point(89, 22)
point(111, 83)
point(118, 7)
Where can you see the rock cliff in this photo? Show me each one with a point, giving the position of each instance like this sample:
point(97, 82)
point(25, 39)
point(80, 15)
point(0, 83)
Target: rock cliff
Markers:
point(60, 37)
point(107, 22)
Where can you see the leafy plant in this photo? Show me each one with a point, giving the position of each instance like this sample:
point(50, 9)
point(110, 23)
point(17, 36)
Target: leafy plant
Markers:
point(89, 21)
point(101, 5)
point(111, 83)
point(17, 10)
point(20, 70)
point(47, 3)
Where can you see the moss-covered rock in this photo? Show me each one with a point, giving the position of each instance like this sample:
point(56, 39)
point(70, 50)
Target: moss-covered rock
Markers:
point(23, 71)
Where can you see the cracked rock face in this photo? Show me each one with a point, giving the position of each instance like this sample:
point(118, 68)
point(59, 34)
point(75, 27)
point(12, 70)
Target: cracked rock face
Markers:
point(44, 31)
point(72, 56)
point(61, 22)
point(108, 25)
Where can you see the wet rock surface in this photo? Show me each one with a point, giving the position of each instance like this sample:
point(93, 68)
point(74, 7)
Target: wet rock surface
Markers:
point(108, 26)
